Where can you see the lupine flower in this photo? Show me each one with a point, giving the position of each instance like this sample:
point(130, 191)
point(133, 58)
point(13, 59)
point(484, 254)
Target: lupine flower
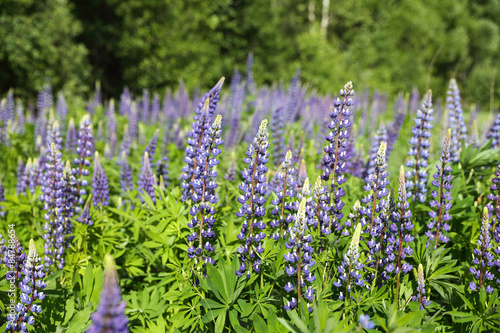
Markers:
point(420, 297)
point(203, 209)
point(202, 118)
point(441, 201)
point(379, 137)
point(54, 135)
point(155, 108)
point(52, 191)
point(111, 128)
point(416, 176)
point(85, 217)
point(350, 269)
point(67, 210)
point(84, 151)
point(336, 153)
point(302, 175)
point(15, 260)
point(494, 133)
point(292, 98)
point(147, 181)
point(61, 109)
point(483, 260)
point(10, 107)
point(151, 147)
point(126, 142)
point(455, 120)
point(252, 203)
point(284, 189)
point(364, 321)
point(145, 106)
point(125, 102)
point(126, 183)
point(110, 314)
point(20, 117)
point(31, 286)
point(100, 184)
point(71, 136)
point(300, 259)
point(133, 122)
point(278, 135)
point(21, 181)
point(319, 205)
point(399, 233)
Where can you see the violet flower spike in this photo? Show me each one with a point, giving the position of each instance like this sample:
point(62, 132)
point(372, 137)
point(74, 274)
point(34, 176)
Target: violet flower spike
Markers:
point(441, 201)
point(147, 180)
point(252, 203)
point(84, 151)
point(110, 314)
point(100, 184)
point(455, 120)
point(416, 176)
point(420, 297)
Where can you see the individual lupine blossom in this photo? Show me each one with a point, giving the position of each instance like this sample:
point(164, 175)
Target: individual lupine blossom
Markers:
point(84, 151)
point(441, 196)
point(352, 219)
point(455, 120)
point(350, 269)
point(85, 217)
point(61, 109)
point(204, 199)
point(319, 208)
point(202, 119)
point(336, 152)
point(71, 136)
point(483, 259)
point(100, 184)
point(252, 203)
point(283, 203)
point(147, 180)
point(399, 236)
point(151, 146)
point(494, 133)
point(126, 183)
point(21, 182)
point(54, 135)
point(110, 314)
point(379, 137)
point(277, 129)
point(31, 286)
point(416, 176)
point(420, 296)
point(52, 190)
point(300, 260)
point(364, 321)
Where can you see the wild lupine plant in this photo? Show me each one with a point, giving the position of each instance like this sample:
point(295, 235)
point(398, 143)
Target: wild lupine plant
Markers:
point(336, 152)
point(455, 120)
point(299, 260)
point(100, 184)
point(203, 197)
point(483, 259)
point(252, 203)
point(84, 151)
point(147, 180)
point(420, 296)
point(441, 196)
point(416, 176)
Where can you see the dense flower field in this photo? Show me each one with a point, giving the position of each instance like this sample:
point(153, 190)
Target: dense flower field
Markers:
point(249, 209)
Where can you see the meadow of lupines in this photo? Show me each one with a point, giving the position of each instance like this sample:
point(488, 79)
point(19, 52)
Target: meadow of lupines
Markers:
point(249, 209)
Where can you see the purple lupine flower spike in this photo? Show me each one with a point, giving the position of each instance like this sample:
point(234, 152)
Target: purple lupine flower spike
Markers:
point(67, 210)
point(203, 209)
point(151, 147)
point(84, 151)
point(494, 207)
point(155, 108)
point(85, 217)
point(300, 259)
point(71, 136)
point(420, 297)
point(379, 137)
point(400, 232)
point(416, 176)
point(351, 269)
point(100, 185)
point(31, 286)
point(252, 203)
point(320, 206)
point(336, 152)
point(278, 135)
point(126, 183)
point(62, 110)
point(284, 190)
point(54, 135)
point(455, 120)
point(441, 201)
point(21, 119)
point(483, 259)
point(494, 133)
point(110, 314)
point(15, 260)
point(147, 180)
point(52, 190)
